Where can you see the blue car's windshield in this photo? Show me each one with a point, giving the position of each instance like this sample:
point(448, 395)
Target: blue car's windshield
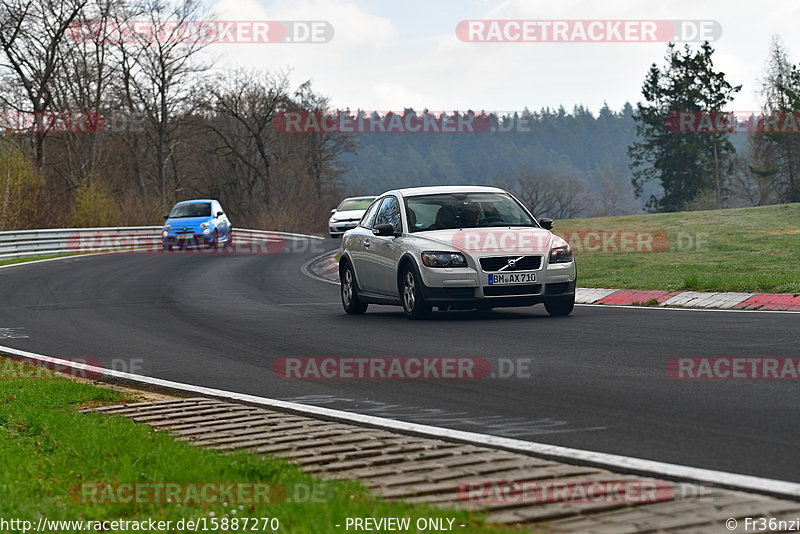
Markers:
point(197, 209)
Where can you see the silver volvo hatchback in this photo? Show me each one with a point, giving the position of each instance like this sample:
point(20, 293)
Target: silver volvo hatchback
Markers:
point(454, 247)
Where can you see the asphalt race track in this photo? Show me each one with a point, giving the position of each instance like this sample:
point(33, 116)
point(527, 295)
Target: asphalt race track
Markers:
point(597, 381)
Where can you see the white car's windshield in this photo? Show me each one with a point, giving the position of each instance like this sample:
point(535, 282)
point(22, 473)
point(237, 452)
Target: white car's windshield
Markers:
point(355, 204)
point(464, 210)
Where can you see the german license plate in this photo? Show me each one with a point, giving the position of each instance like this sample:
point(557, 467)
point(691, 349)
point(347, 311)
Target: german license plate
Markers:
point(511, 278)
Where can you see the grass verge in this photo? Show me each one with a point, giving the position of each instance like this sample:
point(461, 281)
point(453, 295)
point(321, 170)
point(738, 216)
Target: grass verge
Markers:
point(743, 250)
point(51, 455)
point(33, 258)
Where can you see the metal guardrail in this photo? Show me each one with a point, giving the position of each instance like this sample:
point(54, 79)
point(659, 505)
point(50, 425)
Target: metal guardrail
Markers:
point(57, 241)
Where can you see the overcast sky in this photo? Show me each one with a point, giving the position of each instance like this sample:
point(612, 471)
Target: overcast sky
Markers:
point(389, 55)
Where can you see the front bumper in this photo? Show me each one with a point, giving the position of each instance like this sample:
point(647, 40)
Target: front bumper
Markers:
point(469, 288)
point(472, 297)
point(178, 240)
point(340, 227)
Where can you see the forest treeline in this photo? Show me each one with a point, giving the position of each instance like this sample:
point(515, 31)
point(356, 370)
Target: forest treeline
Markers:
point(99, 131)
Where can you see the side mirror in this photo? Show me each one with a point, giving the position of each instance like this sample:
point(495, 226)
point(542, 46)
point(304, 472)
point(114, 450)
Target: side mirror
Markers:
point(333, 210)
point(220, 214)
point(546, 223)
point(383, 230)
point(166, 216)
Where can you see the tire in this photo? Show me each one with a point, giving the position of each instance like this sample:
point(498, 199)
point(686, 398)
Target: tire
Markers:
point(350, 302)
point(167, 248)
point(414, 304)
point(229, 242)
point(560, 306)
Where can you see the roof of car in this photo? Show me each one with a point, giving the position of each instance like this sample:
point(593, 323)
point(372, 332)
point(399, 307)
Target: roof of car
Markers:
point(195, 200)
point(435, 189)
point(359, 198)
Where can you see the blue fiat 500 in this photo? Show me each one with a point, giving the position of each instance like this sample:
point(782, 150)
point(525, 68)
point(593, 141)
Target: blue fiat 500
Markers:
point(196, 222)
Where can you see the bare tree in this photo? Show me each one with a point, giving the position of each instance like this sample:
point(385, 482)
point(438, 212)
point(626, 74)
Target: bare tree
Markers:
point(30, 36)
point(780, 91)
point(90, 66)
point(160, 81)
point(243, 108)
point(753, 180)
point(551, 193)
point(274, 176)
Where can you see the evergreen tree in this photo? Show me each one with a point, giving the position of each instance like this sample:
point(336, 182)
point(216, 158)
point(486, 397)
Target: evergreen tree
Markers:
point(685, 165)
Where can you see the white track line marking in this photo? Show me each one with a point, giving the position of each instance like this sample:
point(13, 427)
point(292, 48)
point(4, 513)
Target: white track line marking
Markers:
point(721, 478)
point(612, 461)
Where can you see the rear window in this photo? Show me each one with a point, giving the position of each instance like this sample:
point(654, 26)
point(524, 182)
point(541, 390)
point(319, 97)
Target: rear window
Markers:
point(195, 209)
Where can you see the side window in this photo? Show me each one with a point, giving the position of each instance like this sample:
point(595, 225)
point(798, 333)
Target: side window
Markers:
point(369, 215)
point(389, 214)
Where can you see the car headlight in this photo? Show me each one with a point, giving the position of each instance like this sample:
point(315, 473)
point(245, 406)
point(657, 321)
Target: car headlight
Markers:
point(204, 225)
point(561, 254)
point(444, 259)
point(206, 231)
point(164, 233)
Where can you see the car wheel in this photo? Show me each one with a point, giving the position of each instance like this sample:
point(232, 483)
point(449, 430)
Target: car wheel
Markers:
point(229, 242)
point(350, 301)
point(411, 292)
point(560, 306)
point(167, 247)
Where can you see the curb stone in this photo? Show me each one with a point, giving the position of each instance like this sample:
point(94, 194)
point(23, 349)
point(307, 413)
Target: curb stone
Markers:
point(327, 268)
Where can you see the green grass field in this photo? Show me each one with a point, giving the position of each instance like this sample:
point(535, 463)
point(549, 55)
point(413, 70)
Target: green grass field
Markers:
point(747, 249)
point(48, 451)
